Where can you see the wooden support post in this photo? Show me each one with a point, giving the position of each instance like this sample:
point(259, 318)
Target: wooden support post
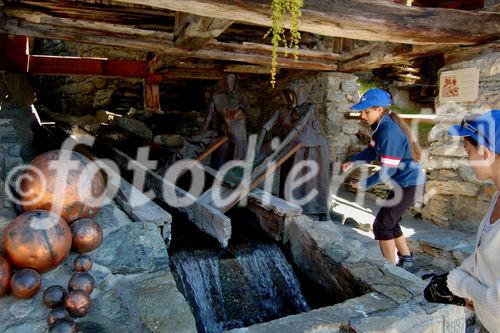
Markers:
point(152, 92)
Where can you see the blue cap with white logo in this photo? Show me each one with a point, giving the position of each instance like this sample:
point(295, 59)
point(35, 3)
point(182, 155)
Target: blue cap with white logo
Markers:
point(373, 97)
point(484, 128)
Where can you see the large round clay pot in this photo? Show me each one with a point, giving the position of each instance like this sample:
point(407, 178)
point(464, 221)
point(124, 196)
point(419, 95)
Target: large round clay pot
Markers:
point(63, 326)
point(77, 303)
point(87, 235)
point(82, 263)
point(80, 193)
point(54, 296)
point(5, 275)
point(25, 283)
point(56, 314)
point(37, 239)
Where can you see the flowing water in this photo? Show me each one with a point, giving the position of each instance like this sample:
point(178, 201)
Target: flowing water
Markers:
point(248, 285)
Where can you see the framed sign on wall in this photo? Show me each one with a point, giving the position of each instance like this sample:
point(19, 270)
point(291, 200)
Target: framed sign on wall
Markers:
point(460, 85)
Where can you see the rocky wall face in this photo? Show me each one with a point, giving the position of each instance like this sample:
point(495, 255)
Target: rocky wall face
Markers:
point(340, 91)
point(80, 95)
point(454, 197)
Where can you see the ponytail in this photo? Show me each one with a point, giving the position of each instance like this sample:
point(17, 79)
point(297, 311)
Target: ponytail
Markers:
point(415, 148)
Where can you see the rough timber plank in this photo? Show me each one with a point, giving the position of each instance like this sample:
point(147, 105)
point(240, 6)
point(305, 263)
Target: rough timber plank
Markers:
point(206, 218)
point(273, 204)
point(192, 32)
point(356, 19)
point(139, 207)
point(391, 54)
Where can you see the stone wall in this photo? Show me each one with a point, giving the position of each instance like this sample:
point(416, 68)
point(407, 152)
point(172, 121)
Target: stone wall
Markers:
point(80, 95)
point(454, 197)
point(341, 91)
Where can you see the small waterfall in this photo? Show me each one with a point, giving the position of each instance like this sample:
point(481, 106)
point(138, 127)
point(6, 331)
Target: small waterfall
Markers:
point(252, 285)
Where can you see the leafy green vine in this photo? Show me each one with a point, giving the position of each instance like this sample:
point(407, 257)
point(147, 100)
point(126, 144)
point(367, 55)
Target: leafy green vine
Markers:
point(280, 9)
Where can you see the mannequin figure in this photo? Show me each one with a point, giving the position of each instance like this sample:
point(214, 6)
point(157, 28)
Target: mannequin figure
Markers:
point(230, 105)
point(315, 147)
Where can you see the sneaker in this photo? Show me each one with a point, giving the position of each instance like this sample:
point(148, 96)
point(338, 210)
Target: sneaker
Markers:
point(409, 262)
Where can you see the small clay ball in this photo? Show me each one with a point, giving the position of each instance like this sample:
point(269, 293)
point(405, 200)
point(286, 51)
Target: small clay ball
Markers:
point(87, 235)
point(25, 283)
point(63, 326)
point(56, 314)
point(81, 281)
point(77, 303)
point(54, 296)
point(82, 263)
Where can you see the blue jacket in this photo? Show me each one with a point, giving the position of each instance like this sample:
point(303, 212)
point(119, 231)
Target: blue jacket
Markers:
point(390, 146)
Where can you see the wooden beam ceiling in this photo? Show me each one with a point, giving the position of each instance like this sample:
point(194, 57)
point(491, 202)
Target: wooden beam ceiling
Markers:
point(37, 24)
point(126, 24)
point(356, 19)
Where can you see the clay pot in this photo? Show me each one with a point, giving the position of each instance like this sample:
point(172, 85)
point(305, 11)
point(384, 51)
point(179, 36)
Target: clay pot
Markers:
point(25, 283)
point(77, 303)
point(82, 263)
point(81, 281)
point(5, 275)
point(87, 235)
point(54, 296)
point(56, 314)
point(39, 239)
point(63, 326)
point(79, 194)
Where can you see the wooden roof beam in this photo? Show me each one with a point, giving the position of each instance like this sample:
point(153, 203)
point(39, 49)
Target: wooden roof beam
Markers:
point(356, 19)
point(45, 26)
point(384, 54)
point(192, 32)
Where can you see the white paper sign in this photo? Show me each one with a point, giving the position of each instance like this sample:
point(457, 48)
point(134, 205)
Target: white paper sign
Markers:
point(460, 85)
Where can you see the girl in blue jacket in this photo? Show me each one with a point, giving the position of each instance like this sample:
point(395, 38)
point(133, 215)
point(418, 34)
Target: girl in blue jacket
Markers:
point(393, 147)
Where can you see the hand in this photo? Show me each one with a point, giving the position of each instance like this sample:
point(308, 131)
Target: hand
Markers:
point(469, 304)
point(356, 185)
point(346, 166)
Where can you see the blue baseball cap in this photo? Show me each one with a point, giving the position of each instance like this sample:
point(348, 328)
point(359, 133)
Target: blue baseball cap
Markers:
point(484, 128)
point(373, 97)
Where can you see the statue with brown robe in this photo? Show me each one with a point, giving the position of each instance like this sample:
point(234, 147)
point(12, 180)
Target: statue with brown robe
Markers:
point(231, 106)
point(315, 148)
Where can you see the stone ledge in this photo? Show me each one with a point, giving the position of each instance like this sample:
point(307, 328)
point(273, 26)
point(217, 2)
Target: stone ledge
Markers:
point(393, 302)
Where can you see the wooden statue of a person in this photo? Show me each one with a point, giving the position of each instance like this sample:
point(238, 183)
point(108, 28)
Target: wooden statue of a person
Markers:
point(315, 147)
point(231, 106)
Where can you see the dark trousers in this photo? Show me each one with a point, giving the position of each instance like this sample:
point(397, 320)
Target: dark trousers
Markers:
point(386, 225)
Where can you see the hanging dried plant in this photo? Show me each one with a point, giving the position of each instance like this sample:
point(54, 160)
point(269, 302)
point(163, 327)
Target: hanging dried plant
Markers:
point(281, 9)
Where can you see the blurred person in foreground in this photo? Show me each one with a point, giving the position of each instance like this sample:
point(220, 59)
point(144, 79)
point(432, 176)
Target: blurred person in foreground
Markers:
point(477, 279)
